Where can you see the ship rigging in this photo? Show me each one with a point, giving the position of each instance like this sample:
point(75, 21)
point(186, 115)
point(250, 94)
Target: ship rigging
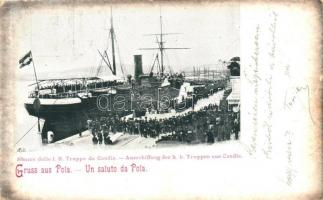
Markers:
point(105, 57)
point(159, 58)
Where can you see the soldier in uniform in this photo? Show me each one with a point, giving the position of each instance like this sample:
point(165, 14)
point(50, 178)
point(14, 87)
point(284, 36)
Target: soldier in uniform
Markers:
point(90, 126)
point(236, 127)
point(105, 130)
point(80, 128)
point(94, 132)
point(142, 129)
point(95, 140)
point(136, 126)
point(189, 136)
point(124, 125)
point(229, 125)
point(99, 132)
point(132, 127)
point(210, 136)
point(221, 130)
point(216, 127)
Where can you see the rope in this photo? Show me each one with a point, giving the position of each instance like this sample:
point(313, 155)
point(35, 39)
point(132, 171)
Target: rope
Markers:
point(98, 71)
point(31, 128)
point(119, 55)
point(25, 134)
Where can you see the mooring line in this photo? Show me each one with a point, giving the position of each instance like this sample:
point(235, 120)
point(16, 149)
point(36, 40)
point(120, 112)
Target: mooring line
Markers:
point(25, 134)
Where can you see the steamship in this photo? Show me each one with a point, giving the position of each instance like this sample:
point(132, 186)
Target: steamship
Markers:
point(66, 104)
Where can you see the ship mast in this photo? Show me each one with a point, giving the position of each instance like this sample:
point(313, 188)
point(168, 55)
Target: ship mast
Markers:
point(105, 56)
point(112, 43)
point(161, 47)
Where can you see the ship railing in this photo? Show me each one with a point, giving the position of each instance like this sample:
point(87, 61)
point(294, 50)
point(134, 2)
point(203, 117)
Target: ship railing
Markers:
point(62, 95)
point(73, 93)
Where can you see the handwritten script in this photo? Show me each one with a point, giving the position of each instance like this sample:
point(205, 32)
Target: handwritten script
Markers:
point(267, 150)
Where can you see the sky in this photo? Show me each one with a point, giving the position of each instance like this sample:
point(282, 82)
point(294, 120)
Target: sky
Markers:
point(65, 41)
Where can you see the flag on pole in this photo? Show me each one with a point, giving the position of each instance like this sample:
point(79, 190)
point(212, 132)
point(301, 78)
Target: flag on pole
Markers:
point(26, 60)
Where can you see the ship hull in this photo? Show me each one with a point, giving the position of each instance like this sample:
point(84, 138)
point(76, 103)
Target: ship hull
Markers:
point(63, 126)
point(63, 117)
point(46, 111)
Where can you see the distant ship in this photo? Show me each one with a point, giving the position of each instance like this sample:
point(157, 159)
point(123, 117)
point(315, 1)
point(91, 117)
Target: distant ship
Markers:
point(67, 104)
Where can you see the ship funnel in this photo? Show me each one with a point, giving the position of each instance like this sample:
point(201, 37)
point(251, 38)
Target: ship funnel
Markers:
point(138, 67)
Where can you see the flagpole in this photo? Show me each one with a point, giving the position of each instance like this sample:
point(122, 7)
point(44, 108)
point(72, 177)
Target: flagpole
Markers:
point(32, 60)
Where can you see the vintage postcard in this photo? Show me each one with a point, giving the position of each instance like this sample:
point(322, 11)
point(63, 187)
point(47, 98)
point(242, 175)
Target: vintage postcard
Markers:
point(160, 100)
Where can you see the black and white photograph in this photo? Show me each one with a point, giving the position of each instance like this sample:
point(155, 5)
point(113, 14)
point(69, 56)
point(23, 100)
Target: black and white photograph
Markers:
point(110, 99)
point(129, 77)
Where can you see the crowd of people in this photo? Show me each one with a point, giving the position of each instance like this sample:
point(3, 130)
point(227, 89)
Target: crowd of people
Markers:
point(209, 124)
